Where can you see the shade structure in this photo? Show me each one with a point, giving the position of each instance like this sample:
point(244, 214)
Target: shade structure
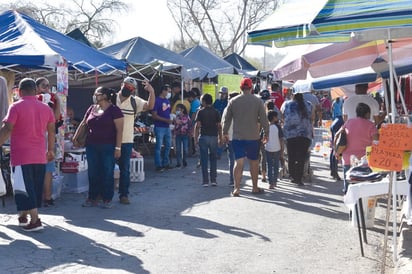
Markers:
point(143, 55)
point(334, 58)
point(241, 65)
point(321, 21)
point(25, 42)
point(203, 55)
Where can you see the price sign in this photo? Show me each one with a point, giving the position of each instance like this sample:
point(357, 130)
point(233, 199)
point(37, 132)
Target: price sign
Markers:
point(386, 159)
point(395, 137)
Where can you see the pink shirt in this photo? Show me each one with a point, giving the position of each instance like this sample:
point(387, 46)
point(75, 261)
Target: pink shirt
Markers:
point(27, 142)
point(360, 134)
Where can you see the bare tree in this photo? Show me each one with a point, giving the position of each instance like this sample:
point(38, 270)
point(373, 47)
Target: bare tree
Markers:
point(92, 17)
point(221, 25)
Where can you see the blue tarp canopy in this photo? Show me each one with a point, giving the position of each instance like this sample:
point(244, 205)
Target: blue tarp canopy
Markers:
point(242, 65)
point(204, 56)
point(27, 43)
point(142, 54)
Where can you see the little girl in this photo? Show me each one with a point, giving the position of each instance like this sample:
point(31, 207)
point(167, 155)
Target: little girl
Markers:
point(183, 127)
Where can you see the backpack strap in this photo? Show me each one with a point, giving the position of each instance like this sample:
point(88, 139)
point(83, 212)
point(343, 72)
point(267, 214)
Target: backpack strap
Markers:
point(134, 105)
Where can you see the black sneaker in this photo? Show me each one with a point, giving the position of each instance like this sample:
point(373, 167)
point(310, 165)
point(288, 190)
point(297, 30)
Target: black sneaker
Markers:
point(178, 165)
point(168, 167)
point(214, 184)
point(205, 184)
point(159, 169)
point(184, 164)
point(48, 203)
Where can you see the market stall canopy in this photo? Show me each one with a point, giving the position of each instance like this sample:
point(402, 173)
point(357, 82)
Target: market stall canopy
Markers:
point(242, 65)
point(206, 57)
point(145, 57)
point(24, 42)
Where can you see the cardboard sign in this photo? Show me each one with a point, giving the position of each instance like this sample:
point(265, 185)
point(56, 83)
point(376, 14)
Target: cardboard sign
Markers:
point(386, 159)
point(395, 137)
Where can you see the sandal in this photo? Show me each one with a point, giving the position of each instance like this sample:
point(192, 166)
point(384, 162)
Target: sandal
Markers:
point(260, 191)
point(234, 194)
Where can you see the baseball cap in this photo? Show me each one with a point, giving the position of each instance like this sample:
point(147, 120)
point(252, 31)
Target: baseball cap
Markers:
point(130, 81)
point(246, 83)
point(224, 90)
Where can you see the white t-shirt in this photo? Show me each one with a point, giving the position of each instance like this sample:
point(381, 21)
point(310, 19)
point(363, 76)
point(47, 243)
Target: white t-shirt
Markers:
point(273, 142)
point(350, 104)
point(128, 112)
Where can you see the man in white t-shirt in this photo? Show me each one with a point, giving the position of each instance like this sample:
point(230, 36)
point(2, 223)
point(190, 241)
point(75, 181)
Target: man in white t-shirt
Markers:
point(361, 96)
point(130, 109)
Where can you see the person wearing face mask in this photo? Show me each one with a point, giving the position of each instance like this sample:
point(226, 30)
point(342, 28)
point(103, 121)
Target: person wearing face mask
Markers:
point(131, 106)
point(103, 146)
point(162, 121)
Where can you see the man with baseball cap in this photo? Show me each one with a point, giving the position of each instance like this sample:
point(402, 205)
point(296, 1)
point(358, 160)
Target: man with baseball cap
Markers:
point(26, 123)
point(248, 115)
point(131, 105)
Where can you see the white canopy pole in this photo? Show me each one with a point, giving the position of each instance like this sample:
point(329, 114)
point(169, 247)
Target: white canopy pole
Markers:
point(393, 181)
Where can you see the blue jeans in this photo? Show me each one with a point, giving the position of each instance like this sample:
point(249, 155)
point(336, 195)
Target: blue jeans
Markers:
point(163, 137)
point(231, 158)
point(124, 166)
point(100, 161)
point(345, 183)
point(273, 159)
point(182, 141)
point(208, 149)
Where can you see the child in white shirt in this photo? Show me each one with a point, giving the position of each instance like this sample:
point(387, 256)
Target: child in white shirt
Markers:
point(274, 148)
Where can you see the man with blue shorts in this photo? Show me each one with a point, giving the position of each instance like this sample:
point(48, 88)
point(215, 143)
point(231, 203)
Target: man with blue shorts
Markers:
point(248, 115)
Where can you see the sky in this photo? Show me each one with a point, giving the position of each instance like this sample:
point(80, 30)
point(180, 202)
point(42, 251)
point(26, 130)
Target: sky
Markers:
point(149, 19)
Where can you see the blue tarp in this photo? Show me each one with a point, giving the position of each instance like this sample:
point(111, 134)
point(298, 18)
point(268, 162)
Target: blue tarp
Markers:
point(204, 56)
point(140, 53)
point(242, 65)
point(25, 42)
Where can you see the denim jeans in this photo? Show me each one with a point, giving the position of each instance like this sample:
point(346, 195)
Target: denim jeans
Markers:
point(345, 183)
point(273, 159)
point(208, 151)
point(163, 137)
point(100, 161)
point(182, 142)
point(231, 158)
point(124, 166)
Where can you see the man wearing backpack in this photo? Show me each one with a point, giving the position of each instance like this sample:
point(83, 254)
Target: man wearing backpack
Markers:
point(130, 105)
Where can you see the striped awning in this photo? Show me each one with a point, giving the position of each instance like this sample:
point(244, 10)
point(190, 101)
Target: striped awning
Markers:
point(335, 21)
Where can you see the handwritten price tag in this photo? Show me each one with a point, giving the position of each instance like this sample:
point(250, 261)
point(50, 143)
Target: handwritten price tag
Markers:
point(385, 159)
point(395, 137)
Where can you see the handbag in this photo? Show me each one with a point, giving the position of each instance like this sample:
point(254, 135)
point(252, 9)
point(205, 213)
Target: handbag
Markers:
point(82, 131)
point(80, 136)
point(340, 141)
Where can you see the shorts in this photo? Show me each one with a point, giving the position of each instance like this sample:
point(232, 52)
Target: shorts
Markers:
point(50, 167)
point(246, 148)
point(30, 176)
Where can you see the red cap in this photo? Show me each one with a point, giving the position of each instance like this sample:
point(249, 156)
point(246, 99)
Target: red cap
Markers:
point(246, 83)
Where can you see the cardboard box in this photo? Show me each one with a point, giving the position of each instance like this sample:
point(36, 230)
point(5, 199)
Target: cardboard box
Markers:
point(75, 182)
